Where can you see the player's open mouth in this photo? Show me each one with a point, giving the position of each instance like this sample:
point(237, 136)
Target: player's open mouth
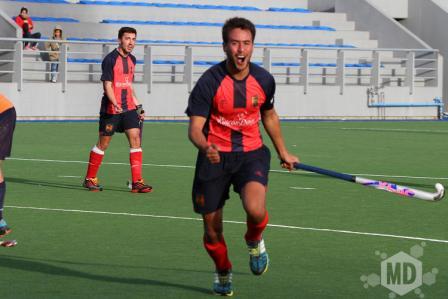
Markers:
point(240, 59)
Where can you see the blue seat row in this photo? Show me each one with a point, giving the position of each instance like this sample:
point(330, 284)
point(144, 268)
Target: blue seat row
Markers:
point(57, 20)
point(213, 24)
point(210, 63)
point(305, 45)
point(157, 41)
point(296, 64)
point(281, 9)
point(169, 5)
point(44, 1)
point(172, 5)
point(348, 65)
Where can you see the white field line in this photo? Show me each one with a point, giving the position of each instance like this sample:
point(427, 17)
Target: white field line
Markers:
point(233, 222)
point(302, 188)
point(395, 130)
point(192, 167)
point(371, 129)
point(69, 176)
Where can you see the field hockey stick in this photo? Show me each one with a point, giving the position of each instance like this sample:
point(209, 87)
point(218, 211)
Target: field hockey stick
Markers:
point(386, 186)
point(8, 243)
point(141, 121)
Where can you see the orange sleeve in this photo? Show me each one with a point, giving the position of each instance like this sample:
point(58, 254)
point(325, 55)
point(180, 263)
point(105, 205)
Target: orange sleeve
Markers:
point(5, 104)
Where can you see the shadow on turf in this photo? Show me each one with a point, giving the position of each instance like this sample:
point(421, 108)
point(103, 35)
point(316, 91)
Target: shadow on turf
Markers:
point(57, 184)
point(25, 264)
point(117, 265)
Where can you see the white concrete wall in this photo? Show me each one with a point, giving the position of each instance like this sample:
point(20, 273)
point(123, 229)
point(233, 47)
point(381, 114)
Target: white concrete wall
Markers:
point(397, 9)
point(388, 32)
point(442, 3)
point(429, 20)
point(82, 100)
point(8, 28)
point(321, 5)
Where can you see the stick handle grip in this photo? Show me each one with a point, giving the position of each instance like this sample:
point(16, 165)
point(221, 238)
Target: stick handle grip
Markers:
point(338, 175)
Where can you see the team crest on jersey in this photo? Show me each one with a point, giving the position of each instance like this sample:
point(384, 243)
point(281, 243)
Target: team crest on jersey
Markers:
point(255, 101)
point(109, 128)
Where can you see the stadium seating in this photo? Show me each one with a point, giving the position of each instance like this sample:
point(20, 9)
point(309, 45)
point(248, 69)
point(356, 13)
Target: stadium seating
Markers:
point(170, 5)
point(170, 25)
point(209, 63)
point(54, 20)
point(174, 5)
point(210, 24)
point(189, 42)
point(296, 28)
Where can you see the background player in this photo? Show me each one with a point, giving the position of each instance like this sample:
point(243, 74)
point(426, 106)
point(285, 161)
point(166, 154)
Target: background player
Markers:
point(120, 112)
point(7, 125)
point(224, 109)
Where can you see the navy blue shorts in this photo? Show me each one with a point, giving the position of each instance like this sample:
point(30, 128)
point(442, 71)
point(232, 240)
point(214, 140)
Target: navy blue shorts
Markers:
point(212, 182)
point(111, 123)
point(7, 126)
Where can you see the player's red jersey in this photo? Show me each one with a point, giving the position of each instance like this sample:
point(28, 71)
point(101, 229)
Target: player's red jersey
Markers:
point(232, 107)
point(120, 71)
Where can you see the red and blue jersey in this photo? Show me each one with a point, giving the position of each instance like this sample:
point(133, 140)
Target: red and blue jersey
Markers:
point(232, 107)
point(119, 70)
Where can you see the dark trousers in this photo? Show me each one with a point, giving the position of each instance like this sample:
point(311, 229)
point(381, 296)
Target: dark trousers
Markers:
point(27, 34)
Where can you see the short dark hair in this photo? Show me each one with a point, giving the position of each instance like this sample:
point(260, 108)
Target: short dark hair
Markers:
point(24, 9)
point(237, 22)
point(124, 30)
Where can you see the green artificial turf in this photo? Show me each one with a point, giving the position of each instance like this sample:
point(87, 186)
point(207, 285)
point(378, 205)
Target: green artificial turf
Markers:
point(115, 244)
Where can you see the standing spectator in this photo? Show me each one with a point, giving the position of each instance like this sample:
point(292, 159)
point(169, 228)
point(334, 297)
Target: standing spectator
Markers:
point(53, 47)
point(25, 22)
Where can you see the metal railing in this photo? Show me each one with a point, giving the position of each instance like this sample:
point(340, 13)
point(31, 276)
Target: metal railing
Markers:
point(80, 61)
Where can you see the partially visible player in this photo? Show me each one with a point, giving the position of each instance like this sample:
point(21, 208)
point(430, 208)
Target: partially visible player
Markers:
point(225, 108)
point(120, 112)
point(7, 125)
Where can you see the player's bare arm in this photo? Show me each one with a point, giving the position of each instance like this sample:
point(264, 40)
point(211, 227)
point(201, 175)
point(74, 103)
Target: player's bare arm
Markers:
point(134, 98)
point(107, 85)
point(271, 124)
point(197, 137)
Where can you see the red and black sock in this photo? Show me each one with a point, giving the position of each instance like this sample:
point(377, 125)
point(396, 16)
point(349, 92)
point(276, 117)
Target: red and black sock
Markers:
point(218, 252)
point(136, 160)
point(96, 157)
point(255, 230)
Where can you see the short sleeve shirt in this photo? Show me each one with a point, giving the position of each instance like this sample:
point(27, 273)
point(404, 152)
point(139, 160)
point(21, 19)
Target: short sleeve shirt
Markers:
point(120, 71)
point(232, 107)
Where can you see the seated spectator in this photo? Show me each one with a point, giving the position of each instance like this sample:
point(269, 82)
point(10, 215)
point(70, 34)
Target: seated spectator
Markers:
point(53, 47)
point(25, 22)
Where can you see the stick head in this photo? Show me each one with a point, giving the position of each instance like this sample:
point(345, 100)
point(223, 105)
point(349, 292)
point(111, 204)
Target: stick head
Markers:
point(440, 192)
